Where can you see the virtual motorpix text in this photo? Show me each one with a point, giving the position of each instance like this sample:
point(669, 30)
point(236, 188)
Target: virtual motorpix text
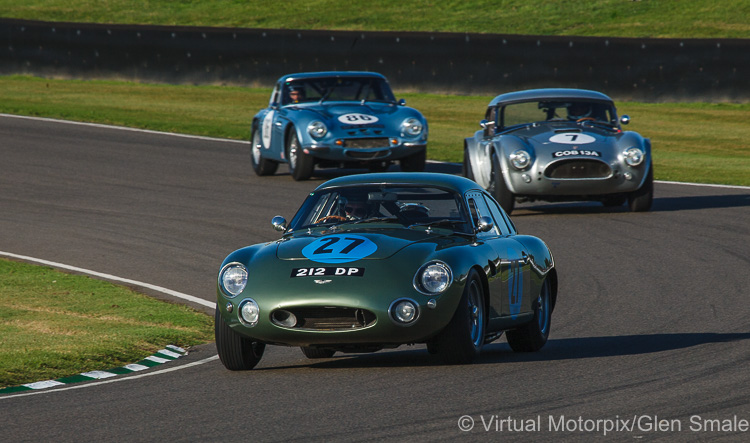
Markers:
point(618, 424)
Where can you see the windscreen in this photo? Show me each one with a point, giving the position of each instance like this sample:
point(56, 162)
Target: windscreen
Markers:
point(405, 205)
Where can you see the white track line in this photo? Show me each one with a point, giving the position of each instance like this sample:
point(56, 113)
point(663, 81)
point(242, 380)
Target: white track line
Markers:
point(115, 380)
point(111, 277)
point(125, 128)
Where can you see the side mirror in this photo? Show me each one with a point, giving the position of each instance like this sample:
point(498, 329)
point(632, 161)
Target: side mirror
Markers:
point(625, 119)
point(402, 102)
point(279, 223)
point(275, 105)
point(485, 224)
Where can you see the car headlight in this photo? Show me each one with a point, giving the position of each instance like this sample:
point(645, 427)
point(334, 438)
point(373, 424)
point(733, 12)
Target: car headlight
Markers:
point(433, 278)
point(520, 159)
point(633, 156)
point(412, 126)
point(249, 312)
point(233, 279)
point(317, 129)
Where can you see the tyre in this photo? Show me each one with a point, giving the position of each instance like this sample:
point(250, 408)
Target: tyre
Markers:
point(497, 186)
point(317, 353)
point(533, 336)
point(261, 166)
point(641, 200)
point(237, 353)
point(414, 162)
point(461, 341)
point(467, 171)
point(300, 164)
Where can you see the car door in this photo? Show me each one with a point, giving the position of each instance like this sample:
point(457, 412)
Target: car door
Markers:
point(510, 287)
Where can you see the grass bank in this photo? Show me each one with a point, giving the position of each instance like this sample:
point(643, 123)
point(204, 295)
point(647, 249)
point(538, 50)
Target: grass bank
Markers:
point(692, 142)
point(54, 324)
point(610, 18)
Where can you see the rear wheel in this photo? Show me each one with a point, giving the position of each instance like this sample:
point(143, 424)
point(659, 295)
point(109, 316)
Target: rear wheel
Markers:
point(468, 172)
point(300, 164)
point(497, 186)
point(261, 166)
point(641, 200)
point(317, 353)
point(461, 341)
point(533, 336)
point(237, 353)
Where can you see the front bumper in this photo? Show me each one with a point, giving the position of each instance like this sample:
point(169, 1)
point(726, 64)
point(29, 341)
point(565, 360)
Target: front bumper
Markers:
point(372, 323)
point(370, 150)
point(567, 178)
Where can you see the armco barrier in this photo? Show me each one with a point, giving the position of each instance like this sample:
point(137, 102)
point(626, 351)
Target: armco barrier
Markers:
point(641, 69)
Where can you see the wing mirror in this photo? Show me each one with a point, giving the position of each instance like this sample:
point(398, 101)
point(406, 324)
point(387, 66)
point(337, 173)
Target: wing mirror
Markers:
point(484, 224)
point(279, 223)
point(402, 102)
point(625, 119)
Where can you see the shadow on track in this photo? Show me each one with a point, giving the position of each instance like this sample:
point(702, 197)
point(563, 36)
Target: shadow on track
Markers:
point(555, 350)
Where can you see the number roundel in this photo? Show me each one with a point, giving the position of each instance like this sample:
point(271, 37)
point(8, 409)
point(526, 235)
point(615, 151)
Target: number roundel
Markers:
point(357, 119)
point(572, 138)
point(339, 248)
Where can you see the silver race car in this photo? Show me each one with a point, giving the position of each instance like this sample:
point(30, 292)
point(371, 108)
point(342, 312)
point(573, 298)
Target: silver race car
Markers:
point(559, 145)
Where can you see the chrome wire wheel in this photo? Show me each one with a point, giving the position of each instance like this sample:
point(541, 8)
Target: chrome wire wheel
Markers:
point(293, 153)
point(256, 147)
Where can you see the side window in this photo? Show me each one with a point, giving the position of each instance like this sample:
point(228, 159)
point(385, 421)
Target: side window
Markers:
point(478, 208)
point(501, 221)
point(274, 96)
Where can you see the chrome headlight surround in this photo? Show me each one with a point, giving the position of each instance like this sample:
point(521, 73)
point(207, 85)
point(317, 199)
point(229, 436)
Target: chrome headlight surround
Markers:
point(520, 159)
point(433, 278)
point(404, 311)
point(317, 129)
point(233, 279)
point(248, 312)
point(412, 126)
point(633, 156)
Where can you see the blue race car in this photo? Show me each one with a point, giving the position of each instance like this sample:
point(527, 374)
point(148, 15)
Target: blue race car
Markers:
point(336, 119)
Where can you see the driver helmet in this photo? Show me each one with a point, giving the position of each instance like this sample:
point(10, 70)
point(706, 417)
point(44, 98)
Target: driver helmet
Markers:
point(577, 111)
point(296, 94)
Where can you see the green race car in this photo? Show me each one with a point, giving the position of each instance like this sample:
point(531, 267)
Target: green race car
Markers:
point(376, 261)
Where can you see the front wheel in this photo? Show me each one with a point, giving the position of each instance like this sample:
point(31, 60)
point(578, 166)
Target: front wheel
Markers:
point(261, 166)
point(533, 336)
point(497, 186)
point(414, 162)
point(641, 200)
point(237, 353)
point(461, 341)
point(300, 164)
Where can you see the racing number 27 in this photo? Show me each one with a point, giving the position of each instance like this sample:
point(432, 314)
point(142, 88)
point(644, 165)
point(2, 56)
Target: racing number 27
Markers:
point(327, 246)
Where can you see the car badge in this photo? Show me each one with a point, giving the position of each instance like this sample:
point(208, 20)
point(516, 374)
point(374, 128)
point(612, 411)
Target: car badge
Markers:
point(322, 282)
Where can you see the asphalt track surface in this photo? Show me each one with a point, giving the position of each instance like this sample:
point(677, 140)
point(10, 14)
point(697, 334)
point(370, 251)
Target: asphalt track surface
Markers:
point(652, 325)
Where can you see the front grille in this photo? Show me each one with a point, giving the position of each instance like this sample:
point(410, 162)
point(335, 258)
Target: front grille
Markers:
point(364, 143)
point(578, 169)
point(329, 318)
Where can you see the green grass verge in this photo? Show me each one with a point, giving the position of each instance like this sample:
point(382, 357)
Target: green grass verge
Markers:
point(54, 324)
point(611, 18)
point(692, 142)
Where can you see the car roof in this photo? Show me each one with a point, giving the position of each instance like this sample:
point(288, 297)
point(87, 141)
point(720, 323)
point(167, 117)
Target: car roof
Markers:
point(448, 181)
point(327, 74)
point(549, 93)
